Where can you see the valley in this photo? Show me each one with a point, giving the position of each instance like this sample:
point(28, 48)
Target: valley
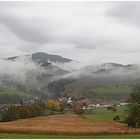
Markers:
point(57, 98)
point(70, 69)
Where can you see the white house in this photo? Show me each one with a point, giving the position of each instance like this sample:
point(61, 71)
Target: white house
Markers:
point(124, 103)
point(105, 104)
point(69, 102)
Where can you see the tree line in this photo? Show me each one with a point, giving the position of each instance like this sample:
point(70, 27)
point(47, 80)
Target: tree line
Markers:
point(30, 110)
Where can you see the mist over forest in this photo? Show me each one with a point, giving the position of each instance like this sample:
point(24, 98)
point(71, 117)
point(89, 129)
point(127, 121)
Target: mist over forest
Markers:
point(40, 75)
point(54, 49)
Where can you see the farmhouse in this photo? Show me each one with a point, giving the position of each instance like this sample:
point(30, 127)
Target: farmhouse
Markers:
point(105, 104)
point(29, 100)
point(84, 101)
point(70, 101)
point(90, 106)
point(124, 102)
point(63, 100)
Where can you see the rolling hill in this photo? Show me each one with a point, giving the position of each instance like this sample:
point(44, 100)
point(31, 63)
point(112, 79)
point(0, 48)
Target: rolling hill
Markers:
point(46, 71)
point(43, 57)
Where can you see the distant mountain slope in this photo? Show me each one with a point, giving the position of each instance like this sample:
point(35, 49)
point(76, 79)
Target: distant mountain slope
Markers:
point(42, 57)
point(46, 70)
point(39, 68)
point(107, 67)
point(105, 75)
point(45, 60)
point(49, 57)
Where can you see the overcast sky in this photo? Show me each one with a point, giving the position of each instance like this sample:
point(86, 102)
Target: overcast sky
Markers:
point(90, 32)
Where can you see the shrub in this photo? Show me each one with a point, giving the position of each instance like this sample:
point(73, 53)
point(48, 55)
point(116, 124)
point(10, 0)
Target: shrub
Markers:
point(24, 113)
point(61, 107)
point(138, 122)
point(111, 108)
point(131, 122)
point(14, 113)
point(11, 114)
point(42, 105)
point(116, 118)
point(78, 109)
point(35, 110)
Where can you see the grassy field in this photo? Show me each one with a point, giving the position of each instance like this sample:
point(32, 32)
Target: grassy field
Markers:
point(11, 91)
point(102, 114)
point(113, 89)
point(50, 112)
point(111, 93)
point(28, 136)
point(66, 124)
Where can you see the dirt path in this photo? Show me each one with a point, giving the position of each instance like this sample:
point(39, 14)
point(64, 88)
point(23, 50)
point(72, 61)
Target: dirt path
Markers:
point(64, 124)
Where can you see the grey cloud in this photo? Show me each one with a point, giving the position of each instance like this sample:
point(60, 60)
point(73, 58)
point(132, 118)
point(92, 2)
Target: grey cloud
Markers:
point(96, 29)
point(93, 44)
point(46, 31)
point(127, 12)
point(24, 30)
point(52, 31)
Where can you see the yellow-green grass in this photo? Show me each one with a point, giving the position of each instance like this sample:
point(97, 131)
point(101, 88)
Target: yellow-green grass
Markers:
point(29, 136)
point(50, 112)
point(102, 114)
point(11, 91)
point(113, 89)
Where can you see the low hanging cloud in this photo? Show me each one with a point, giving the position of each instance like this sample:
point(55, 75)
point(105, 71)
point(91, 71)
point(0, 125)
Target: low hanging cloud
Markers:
point(22, 71)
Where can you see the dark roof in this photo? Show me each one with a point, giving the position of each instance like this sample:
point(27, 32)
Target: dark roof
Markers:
point(104, 103)
point(125, 100)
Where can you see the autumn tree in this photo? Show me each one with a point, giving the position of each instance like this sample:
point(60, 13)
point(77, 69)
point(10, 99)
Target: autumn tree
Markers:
point(35, 110)
point(24, 113)
point(53, 105)
point(78, 109)
point(11, 114)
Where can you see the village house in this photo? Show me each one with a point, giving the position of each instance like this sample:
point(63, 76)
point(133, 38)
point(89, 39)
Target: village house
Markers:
point(124, 102)
point(63, 100)
point(70, 101)
point(4, 107)
point(90, 106)
point(29, 100)
point(104, 104)
point(98, 105)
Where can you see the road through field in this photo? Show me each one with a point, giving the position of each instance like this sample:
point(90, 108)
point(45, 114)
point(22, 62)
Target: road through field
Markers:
point(69, 124)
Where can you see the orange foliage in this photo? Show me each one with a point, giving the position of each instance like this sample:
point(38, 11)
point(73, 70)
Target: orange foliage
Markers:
point(53, 105)
point(24, 112)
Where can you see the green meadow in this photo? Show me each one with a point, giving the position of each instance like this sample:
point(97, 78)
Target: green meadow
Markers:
point(28, 136)
point(11, 91)
point(102, 114)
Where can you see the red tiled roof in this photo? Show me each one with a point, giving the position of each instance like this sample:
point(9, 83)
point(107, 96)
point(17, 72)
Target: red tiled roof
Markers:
point(105, 103)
